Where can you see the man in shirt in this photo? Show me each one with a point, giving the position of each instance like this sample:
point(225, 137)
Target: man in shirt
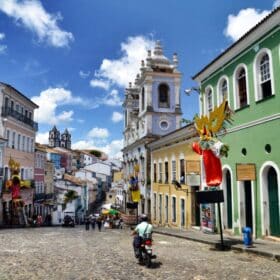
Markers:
point(143, 229)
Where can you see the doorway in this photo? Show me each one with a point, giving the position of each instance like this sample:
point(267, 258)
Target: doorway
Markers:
point(195, 207)
point(183, 215)
point(273, 202)
point(229, 199)
point(248, 204)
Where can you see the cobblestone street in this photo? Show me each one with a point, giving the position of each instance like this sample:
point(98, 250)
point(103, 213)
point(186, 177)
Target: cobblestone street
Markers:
point(73, 253)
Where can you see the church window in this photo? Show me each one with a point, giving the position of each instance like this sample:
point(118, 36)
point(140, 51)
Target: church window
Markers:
point(143, 98)
point(163, 91)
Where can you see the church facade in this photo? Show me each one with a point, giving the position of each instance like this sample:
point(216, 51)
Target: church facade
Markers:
point(151, 109)
point(59, 140)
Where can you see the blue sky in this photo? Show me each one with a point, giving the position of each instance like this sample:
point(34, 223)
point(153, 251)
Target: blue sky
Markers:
point(75, 57)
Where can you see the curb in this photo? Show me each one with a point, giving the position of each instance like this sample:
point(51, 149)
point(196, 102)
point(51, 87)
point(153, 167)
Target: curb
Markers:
point(268, 255)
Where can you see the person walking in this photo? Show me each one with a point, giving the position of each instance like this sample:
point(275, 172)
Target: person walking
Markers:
point(87, 222)
point(92, 221)
point(99, 223)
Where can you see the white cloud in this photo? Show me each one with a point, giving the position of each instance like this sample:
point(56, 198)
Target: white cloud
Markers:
point(100, 83)
point(97, 132)
point(48, 102)
point(112, 99)
point(276, 4)
point(113, 149)
point(239, 24)
point(123, 70)
point(33, 16)
point(2, 47)
point(117, 117)
point(42, 137)
point(84, 74)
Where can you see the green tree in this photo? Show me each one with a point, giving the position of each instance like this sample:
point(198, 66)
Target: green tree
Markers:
point(96, 153)
point(70, 196)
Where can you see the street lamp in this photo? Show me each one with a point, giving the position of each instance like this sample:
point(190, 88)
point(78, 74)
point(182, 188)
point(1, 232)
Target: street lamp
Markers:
point(188, 91)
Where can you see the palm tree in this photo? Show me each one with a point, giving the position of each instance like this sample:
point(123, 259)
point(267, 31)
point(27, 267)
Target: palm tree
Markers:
point(70, 196)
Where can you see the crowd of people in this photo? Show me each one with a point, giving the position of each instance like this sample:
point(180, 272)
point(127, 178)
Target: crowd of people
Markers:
point(103, 221)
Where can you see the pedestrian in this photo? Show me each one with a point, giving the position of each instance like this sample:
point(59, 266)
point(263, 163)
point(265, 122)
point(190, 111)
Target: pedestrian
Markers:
point(39, 220)
point(99, 223)
point(92, 221)
point(87, 222)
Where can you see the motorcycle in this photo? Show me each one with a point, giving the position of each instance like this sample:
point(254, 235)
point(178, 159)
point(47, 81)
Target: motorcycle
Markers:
point(144, 251)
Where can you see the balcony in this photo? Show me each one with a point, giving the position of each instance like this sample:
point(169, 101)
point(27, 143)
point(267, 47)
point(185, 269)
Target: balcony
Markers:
point(8, 112)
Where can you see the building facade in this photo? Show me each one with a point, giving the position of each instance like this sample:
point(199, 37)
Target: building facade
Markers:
point(151, 109)
point(18, 129)
point(246, 74)
point(175, 179)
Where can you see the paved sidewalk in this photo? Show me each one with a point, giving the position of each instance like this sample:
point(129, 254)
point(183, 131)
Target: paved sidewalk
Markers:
point(265, 248)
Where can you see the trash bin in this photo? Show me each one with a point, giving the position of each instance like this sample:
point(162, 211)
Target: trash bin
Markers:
point(247, 236)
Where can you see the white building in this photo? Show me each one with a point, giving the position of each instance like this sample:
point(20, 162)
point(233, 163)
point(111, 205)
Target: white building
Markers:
point(151, 109)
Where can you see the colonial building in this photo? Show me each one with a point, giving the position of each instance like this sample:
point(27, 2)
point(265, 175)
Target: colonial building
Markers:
point(175, 178)
point(151, 109)
point(247, 75)
point(18, 128)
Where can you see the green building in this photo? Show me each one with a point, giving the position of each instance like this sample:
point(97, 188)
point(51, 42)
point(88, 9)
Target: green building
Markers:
point(247, 74)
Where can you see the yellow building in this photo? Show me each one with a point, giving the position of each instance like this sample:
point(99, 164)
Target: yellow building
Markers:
point(175, 171)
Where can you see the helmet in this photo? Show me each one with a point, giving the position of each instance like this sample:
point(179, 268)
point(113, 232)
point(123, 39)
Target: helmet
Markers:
point(143, 218)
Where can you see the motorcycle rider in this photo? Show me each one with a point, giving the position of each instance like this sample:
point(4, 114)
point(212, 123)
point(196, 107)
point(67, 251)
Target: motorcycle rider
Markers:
point(143, 228)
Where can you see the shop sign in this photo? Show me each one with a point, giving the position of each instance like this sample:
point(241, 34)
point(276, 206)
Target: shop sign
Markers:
point(246, 172)
point(193, 166)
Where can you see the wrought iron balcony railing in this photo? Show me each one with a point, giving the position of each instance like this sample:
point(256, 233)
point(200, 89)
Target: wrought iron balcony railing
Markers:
point(9, 112)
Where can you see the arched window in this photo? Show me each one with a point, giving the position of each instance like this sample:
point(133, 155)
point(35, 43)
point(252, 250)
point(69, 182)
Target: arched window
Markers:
point(241, 88)
point(143, 98)
point(163, 94)
point(209, 100)
point(263, 73)
point(223, 90)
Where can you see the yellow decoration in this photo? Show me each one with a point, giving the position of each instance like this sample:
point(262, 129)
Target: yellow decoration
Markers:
point(136, 168)
point(14, 166)
point(207, 127)
point(135, 195)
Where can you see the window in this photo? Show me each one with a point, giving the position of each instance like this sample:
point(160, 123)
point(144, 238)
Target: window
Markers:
point(155, 206)
point(31, 145)
point(265, 77)
point(13, 140)
point(182, 171)
point(12, 105)
point(173, 165)
point(8, 137)
point(166, 209)
point(223, 90)
point(160, 172)
point(155, 172)
point(27, 144)
point(6, 102)
point(173, 209)
point(209, 100)
point(241, 89)
point(143, 98)
point(23, 143)
point(163, 91)
point(18, 144)
point(166, 171)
